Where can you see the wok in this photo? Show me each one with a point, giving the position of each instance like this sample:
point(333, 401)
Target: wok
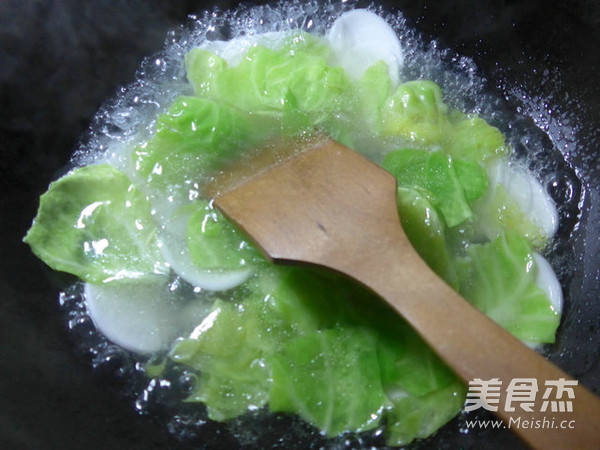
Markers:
point(60, 59)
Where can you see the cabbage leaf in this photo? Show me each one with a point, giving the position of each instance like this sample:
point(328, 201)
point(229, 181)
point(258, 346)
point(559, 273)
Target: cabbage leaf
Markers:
point(450, 185)
point(95, 224)
point(500, 280)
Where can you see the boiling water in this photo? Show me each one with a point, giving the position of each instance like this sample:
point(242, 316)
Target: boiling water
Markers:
point(129, 120)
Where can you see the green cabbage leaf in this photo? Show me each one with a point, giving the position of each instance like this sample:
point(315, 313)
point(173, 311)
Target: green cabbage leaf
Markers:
point(95, 224)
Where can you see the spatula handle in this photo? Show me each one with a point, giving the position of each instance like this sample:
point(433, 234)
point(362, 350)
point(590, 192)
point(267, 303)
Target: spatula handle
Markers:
point(475, 347)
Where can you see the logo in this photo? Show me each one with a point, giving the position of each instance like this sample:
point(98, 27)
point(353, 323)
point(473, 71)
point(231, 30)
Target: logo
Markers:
point(522, 394)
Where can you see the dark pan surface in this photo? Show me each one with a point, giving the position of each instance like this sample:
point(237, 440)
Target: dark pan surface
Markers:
point(60, 59)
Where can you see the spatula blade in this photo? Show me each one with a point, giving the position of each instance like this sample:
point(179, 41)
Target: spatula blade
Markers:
point(313, 204)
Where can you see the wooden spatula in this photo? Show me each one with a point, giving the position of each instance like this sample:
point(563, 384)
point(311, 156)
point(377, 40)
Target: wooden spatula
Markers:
point(329, 206)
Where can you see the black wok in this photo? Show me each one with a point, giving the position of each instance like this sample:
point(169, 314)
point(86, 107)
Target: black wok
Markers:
point(60, 59)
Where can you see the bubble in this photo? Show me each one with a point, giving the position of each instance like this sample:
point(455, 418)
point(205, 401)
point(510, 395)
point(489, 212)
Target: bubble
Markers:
point(81, 325)
point(69, 299)
point(114, 364)
point(152, 398)
point(563, 187)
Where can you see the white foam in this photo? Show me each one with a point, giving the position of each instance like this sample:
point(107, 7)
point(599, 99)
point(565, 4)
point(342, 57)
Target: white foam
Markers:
point(232, 50)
